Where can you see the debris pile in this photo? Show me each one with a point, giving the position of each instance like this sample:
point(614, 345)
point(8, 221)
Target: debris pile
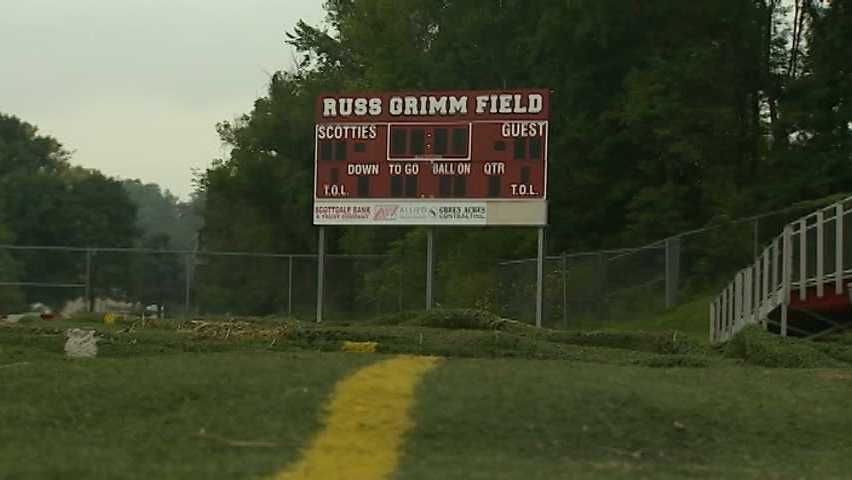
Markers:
point(234, 329)
point(81, 343)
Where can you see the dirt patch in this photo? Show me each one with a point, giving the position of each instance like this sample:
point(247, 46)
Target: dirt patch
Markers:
point(834, 375)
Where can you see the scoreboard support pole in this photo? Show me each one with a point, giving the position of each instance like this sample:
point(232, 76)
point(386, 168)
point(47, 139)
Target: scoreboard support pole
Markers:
point(539, 279)
point(320, 272)
point(430, 265)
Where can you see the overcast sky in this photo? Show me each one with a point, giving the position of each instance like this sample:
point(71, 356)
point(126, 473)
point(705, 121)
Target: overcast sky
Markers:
point(135, 87)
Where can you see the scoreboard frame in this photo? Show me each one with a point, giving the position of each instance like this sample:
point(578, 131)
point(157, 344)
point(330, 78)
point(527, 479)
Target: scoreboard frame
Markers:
point(404, 163)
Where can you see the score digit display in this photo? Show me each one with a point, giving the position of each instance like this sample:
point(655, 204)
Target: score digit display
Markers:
point(432, 158)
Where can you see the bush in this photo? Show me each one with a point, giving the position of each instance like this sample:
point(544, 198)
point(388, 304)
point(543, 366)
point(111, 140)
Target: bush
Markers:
point(668, 343)
point(452, 318)
point(462, 318)
point(674, 361)
point(758, 347)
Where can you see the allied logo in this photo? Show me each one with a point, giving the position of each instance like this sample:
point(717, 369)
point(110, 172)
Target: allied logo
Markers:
point(387, 212)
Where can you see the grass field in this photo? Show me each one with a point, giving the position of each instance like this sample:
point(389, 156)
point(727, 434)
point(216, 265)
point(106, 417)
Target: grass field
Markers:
point(243, 399)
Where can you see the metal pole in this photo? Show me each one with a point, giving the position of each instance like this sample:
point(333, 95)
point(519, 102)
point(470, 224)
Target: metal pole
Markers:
point(603, 307)
point(320, 272)
point(430, 265)
point(187, 296)
point(290, 286)
point(89, 303)
point(401, 285)
point(539, 290)
point(672, 270)
point(564, 290)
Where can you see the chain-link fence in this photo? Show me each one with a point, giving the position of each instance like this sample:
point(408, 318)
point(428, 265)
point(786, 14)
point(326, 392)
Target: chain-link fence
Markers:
point(581, 290)
point(590, 289)
point(585, 289)
point(177, 283)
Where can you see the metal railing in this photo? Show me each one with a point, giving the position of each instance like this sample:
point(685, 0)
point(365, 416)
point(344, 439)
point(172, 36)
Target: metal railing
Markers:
point(812, 253)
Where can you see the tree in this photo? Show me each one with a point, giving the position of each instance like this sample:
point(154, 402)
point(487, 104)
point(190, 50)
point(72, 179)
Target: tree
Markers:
point(817, 108)
point(11, 297)
point(46, 202)
point(160, 213)
point(23, 151)
point(665, 116)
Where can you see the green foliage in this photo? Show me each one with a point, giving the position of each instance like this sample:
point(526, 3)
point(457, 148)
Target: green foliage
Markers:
point(816, 108)
point(457, 319)
point(666, 116)
point(667, 343)
point(46, 202)
point(11, 298)
point(161, 213)
point(24, 152)
point(675, 361)
point(756, 346)
point(689, 318)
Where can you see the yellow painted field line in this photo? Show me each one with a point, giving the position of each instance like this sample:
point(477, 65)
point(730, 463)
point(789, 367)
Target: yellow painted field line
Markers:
point(368, 416)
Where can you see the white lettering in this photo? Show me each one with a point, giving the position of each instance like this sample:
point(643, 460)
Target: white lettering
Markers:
point(494, 168)
point(407, 168)
point(505, 104)
point(481, 103)
point(519, 106)
point(536, 103)
point(329, 107)
point(410, 106)
point(523, 129)
point(335, 190)
point(396, 106)
point(453, 168)
point(458, 105)
point(362, 169)
point(345, 107)
point(375, 106)
point(523, 190)
point(344, 132)
point(425, 105)
point(437, 105)
point(361, 107)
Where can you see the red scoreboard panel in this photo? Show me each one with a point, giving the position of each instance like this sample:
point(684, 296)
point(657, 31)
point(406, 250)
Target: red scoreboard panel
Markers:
point(467, 158)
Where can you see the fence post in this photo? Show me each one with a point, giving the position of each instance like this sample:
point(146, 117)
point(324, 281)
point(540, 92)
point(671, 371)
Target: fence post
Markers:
point(430, 266)
point(803, 259)
point(320, 272)
point(838, 248)
point(187, 294)
point(564, 267)
point(672, 270)
point(603, 312)
point(90, 307)
point(539, 291)
point(290, 286)
point(401, 285)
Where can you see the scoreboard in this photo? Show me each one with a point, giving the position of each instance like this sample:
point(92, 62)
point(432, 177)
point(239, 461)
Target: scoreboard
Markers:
point(432, 158)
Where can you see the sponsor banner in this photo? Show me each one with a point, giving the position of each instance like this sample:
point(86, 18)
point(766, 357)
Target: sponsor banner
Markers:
point(389, 213)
